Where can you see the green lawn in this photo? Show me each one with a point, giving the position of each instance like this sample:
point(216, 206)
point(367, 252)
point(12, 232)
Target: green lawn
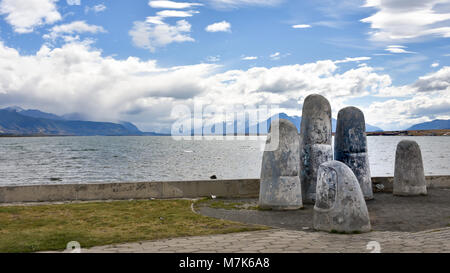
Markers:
point(51, 227)
point(226, 204)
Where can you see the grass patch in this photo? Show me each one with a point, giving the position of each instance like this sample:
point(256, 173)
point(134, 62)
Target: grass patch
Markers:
point(225, 204)
point(51, 227)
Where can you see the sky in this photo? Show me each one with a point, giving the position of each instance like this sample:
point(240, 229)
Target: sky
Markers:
point(137, 60)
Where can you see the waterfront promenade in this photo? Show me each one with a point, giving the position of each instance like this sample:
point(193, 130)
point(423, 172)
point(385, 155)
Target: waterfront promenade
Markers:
point(293, 241)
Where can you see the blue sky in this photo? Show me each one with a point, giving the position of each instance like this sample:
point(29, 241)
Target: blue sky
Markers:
point(136, 60)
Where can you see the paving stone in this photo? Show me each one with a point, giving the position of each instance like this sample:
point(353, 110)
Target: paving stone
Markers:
point(291, 241)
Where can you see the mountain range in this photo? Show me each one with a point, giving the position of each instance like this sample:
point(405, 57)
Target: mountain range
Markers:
point(262, 128)
point(17, 121)
point(298, 120)
point(431, 125)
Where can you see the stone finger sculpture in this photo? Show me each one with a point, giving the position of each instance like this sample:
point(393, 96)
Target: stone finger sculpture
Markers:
point(315, 142)
point(340, 204)
point(409, 176)
point(280, 187)
point(350, 146)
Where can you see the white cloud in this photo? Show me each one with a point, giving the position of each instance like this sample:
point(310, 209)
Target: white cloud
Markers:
point(175, 13)
point(77, 78)
point(406, 20)
point(397, 49)
point(239, 3)
point(357, 59)
point(154, 32)
point(76, 27)
point(172, 5)
point(152, 36)
point(436, 81)
point(435, 64)
point(25, 15)
point(155, 20)
point(249, 58)
point(223, 26)
point(401, 114)
point(301, 26)
point(73, 2)
point(97, 8)
point(277, 56)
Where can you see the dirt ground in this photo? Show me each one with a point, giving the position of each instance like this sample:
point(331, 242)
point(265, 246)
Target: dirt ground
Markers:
point(387, 212)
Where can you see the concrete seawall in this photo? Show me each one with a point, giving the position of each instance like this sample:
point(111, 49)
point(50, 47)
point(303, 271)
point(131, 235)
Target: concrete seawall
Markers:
point(161, 190)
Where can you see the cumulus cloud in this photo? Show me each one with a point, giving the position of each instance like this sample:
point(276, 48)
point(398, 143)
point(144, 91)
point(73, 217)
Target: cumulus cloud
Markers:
point(407, 20)
point(152, 36)
point(437, 81)
point(426, 99)
point(76, 27)
point(172, 5)
point(401, 114)
point(77, 78)
point(155, 32)
point(25, 15)
point(223, 26)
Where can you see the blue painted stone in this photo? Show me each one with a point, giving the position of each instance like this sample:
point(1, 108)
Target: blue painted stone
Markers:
point(350, 146)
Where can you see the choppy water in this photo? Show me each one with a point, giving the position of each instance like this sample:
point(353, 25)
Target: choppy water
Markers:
point(98, 159)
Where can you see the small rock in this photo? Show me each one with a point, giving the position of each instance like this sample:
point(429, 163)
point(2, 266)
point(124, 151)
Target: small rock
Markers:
point(213, 177)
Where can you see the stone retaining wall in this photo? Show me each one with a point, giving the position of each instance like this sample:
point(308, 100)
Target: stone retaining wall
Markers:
point(161, 190)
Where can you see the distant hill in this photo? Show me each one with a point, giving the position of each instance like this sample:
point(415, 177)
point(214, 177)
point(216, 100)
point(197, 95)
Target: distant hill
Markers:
point(437, 124)
point(39, 114)
point(17, 121)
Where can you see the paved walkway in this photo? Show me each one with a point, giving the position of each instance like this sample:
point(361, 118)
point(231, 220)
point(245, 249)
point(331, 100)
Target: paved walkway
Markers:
point(292, 241)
